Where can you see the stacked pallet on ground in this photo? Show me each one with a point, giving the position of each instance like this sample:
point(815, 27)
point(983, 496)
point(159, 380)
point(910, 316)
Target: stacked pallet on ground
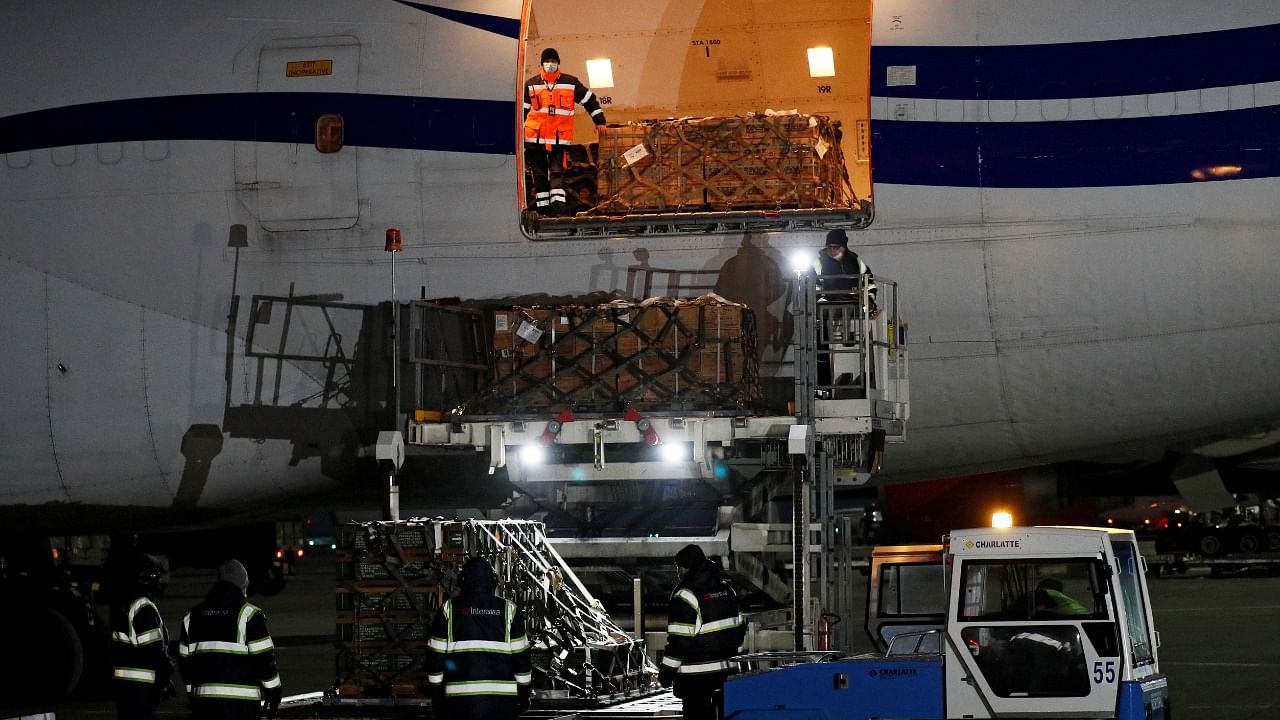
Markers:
point(660, 354)
point(392, 578)
point(753, 162)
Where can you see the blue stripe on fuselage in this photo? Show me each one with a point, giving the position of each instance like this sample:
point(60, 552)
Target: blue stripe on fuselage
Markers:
point(506, 27)
point(1135, 66)
point(390, 121)
point(1084, 153)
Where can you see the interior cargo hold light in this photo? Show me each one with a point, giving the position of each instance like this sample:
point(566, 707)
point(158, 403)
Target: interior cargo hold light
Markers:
point(1001, 519)
point(329, 133)
point(800, 262)
point(600, 73)
point(822, 62)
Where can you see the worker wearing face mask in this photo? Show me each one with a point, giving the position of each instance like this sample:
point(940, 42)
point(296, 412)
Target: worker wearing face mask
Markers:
point(551, 99)
point(837, 259)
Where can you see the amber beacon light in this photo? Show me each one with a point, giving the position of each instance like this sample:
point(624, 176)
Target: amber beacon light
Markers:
point(393, 241)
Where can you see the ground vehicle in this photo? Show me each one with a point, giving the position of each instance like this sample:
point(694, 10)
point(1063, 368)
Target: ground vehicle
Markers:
point(996, 648)
point(1215, 534)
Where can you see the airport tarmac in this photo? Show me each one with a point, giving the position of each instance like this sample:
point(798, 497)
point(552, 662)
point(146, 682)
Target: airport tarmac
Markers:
point(1220, 640)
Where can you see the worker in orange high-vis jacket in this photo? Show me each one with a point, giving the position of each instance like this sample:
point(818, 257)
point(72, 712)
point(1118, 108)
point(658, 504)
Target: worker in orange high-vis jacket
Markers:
point(551, 99)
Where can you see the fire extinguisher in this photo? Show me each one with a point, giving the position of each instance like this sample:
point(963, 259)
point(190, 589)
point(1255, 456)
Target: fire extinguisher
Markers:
point(822, 631)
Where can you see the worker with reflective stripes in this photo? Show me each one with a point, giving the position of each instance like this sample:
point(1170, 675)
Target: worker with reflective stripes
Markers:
point(478, 661)
point(227, 658)
point(142, 671)
point(704, 631)
point(551, 100)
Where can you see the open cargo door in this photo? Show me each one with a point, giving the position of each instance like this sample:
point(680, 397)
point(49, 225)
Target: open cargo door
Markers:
point(724, 116)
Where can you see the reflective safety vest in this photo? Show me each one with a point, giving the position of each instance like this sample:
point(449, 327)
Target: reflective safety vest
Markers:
point(704, 627)
point(139, 647)
point(478, 650)
point(549, 107)
point(226, 653)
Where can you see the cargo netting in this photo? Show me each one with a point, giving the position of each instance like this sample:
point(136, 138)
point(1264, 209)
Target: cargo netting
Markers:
point(662, 354)
point(760, 161)
point(392, 577)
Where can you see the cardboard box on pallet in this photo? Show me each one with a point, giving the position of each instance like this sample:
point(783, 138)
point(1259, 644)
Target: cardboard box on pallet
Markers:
point(695, 353)
point(731, 163)
point(650, 167)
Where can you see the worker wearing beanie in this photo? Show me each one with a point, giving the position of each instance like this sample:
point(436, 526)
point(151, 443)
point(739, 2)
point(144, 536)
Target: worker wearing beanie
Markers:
point(837, 259)
point(226, 655)
point(704, 631)
point(551, 99)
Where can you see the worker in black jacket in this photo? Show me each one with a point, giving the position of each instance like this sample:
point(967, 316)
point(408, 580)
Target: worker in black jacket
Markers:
point(704, 630)
point(837, 259)
point(226, 656)
point(142, 671)
point(478, 661)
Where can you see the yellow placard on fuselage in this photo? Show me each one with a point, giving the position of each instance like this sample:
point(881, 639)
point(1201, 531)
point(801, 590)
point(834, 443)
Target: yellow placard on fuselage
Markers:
point(308, 68)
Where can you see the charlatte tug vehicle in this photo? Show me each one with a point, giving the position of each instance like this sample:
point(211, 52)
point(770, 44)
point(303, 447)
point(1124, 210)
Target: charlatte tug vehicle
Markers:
point(994, 623)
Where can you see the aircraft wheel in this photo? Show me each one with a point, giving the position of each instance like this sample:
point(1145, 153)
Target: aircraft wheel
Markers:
point(52, 670)
point(1210, 545)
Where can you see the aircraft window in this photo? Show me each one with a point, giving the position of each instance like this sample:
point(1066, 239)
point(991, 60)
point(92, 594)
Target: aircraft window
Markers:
point(18, 160)
point(1029, 589)
point(1266, 94)
point(1187, 100)
point(1107, 102)
point(1002, 110)
point(1241, 97)
point(1030, 661)
point(1160, 97)
point(1055, 108)
point(950, 110)
point(1213, 98)
point(63, 156)
point(110, 153)
point(329, 133)
point(927, 109)
point(155, 150)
